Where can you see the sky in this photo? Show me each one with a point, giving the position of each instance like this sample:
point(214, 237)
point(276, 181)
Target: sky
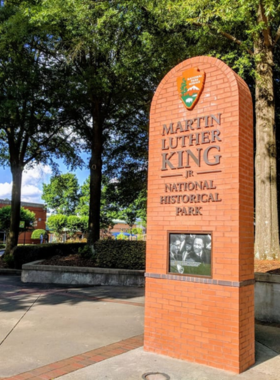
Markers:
point(33, 179)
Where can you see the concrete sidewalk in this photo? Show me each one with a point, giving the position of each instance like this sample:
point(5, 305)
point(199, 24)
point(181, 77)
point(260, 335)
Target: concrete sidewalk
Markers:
point(132, 365)
point(44, 324)
point(85, 333)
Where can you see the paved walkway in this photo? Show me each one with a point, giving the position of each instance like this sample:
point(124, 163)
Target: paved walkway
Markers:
point(49, 332)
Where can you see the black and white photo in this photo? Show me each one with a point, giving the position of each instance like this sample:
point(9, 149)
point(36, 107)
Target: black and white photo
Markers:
point(190, 253)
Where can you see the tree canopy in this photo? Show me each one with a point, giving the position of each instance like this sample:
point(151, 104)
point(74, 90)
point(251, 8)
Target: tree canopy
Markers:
point(57, 223)
point(27, 219)
point(62, 193)
point(116, 58)
point(86, 72)
point(32, 103)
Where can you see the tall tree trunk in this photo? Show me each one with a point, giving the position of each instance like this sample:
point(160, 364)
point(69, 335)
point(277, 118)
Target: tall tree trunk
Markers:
point(12, 239)
point(95, 180)
point(266, 233)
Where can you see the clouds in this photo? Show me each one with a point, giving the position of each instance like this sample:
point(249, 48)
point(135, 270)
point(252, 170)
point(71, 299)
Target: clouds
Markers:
point(5, 190)
point(32, 180)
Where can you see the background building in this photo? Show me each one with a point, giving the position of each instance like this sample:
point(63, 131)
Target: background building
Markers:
point(40, 223)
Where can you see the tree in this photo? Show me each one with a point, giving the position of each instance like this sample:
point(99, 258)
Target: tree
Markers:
point(27, 219)
point(76, 223)
point(32, 117)
point(62, 193)
point(83, 224)
point(57, 223)
point(36, 234)
point(246, 35)
point(73, 224)
point(108, 211)
point(115, 64)
point(130, 215)
point(82, 208)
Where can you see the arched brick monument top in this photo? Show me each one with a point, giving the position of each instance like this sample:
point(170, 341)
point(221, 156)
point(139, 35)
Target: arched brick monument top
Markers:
point(200, 182)
point(234, 81)
point(224, 93)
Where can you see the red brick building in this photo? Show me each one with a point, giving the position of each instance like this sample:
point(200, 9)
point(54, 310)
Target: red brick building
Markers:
point(121, 226)
point(40, 223)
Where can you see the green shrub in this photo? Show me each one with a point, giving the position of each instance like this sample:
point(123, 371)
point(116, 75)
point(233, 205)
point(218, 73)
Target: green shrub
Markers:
point(37, 233)
point(86, 252)
point(2, 246)
point(140, 237)
point(136, 231)
point(9, 260)
point(122, 236)
point(120, 254)
point(25, 254)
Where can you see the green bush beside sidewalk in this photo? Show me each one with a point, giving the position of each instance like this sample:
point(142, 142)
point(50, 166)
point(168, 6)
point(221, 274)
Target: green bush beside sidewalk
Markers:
point(108, 253)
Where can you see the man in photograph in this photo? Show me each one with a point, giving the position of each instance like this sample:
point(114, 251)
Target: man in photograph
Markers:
point(175, 250)
point(199, 253)
point(187, 248)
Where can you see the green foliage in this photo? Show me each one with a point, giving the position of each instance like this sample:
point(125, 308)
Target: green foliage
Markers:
point(107, 210)
point(130, 214)
point(128, 199)
point(9, 260)
point(37, 233)
point(73, 223)
point(32, 97)
point(25, 254)
point(84, 224)
point(26, 216)
point(136, 231)
point(112, 78)
point(57, 223)
point(33, 101)
point(122, 236)
point(62, 193)
point(120, 254)
point(83, 204)
point(86, 252)
point(108, 253)
point(2, 246)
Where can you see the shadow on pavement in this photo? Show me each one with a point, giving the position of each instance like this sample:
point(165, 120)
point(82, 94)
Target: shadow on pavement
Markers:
point(15, 295)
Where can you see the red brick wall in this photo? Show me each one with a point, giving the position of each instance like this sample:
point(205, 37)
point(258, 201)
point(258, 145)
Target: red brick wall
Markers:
point(40, 215)
point(206, 321)
point(121, 227)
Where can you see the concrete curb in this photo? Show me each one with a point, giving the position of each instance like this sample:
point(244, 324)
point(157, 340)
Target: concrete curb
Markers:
point(267, 277)
point(10, 271)
point(50, 274)
point(267, 293)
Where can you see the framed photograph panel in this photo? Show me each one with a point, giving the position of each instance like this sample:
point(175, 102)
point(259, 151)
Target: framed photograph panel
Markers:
point(190, 253)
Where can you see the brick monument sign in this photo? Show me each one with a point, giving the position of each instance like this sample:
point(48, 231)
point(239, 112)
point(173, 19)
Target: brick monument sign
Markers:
point(199, 269)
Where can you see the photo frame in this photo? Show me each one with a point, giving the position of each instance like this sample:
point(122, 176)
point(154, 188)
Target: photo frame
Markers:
point(190, 253)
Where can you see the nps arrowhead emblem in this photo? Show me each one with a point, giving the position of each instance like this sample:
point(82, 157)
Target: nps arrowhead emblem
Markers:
point(190, 85)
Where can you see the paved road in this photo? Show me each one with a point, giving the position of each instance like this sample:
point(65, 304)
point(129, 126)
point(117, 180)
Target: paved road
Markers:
point(81, 333)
